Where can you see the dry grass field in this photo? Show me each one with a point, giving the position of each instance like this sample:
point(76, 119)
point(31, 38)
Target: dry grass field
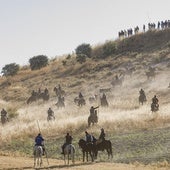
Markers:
point(139, 137)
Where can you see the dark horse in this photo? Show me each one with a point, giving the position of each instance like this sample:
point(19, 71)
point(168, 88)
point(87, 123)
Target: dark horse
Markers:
point(87, 148)
point(59, 92)
point(154, 107)
point(104, 145)
point(142, 99)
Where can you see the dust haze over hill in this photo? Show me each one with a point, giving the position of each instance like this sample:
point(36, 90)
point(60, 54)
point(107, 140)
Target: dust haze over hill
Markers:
point(124, 114)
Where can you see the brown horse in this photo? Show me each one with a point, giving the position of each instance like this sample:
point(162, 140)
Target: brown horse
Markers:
point(87, 148)
point(104, 145)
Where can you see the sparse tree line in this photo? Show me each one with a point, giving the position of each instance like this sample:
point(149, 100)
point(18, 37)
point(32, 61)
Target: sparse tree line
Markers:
point(85, 51)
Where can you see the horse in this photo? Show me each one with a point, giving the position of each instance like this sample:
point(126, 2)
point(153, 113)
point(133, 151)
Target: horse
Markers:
point(93, 119)
point(104, 145)
point(38, 151)
point(150, 74)
point(60, 103)
point(59, 92)
point(87, 148)
point(50, 117)
point(69, 150)
point(92, 99)
point(154, 107)
point(4, 119)
point(31, 99)
point(44, 96)
point(142, 99)
point(118, 81)
point(79, 101)
point(104, 102)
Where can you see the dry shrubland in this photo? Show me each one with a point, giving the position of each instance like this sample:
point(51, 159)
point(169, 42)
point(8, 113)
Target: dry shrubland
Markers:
point(124, 113)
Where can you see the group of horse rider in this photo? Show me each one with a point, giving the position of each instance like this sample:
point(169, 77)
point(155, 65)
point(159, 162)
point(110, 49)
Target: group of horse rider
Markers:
point(39, 140)
point(154, 99)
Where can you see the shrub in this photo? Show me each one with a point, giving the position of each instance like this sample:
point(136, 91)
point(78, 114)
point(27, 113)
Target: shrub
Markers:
point(38, 62)
point(84, 49)
point(10, 69)
point(81, 58)
point(109, 48)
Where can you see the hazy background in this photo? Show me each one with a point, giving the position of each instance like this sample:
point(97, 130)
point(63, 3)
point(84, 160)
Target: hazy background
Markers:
point(55, 27)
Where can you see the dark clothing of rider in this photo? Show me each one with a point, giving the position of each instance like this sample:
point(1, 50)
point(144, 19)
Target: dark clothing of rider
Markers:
point(80, 95)
point(102, 135)
point(88, 138)
point(3, 113)
point(39, 140)
point(50, 112)
point(68, 141)
point(92, 111)
point(155, 100)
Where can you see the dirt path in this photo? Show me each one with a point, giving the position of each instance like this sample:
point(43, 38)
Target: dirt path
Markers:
point(12, 163)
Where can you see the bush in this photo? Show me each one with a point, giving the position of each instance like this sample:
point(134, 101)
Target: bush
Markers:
point(84, 49)
point(81, 58)
point(10, 69)
point(109, 48)
point(38, 62)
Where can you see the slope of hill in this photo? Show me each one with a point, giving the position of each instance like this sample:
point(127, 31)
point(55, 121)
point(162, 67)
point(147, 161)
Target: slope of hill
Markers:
point(130, 126)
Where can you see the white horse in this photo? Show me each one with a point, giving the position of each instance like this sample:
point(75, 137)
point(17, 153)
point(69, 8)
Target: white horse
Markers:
point(69, 150)
point(38, 151)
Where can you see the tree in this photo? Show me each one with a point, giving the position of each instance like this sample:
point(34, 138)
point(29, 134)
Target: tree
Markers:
point(10, 69)
point(84, 49)
point(38, 62)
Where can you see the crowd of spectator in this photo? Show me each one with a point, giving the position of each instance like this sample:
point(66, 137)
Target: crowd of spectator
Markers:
point(161, 25)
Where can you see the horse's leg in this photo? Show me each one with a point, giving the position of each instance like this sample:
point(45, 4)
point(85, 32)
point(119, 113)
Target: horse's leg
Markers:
point(91, 156)
point(83, 155)
point(64, 159)
point(72, 155)
point(68, 158)
point(34, 159)
point(41, 160)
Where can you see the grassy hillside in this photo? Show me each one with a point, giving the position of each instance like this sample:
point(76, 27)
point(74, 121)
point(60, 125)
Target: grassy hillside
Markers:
point(135, 132)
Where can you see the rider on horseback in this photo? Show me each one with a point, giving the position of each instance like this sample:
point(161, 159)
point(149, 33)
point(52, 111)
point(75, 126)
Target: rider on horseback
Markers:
point(155, 100)
point(155, 103)
point(142, 93)
point(93, 111)
point(80, 95)
point(102, 135)
point(50, 113)
point(39, 141)
point(68, 141)
point(4, 116)
point(89, 138)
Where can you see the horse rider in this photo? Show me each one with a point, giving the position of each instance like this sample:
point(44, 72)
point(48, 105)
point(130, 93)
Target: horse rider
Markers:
point(89, 138)
point(50, 112)
point(93, 111)
point(80, 95)
point(102, 135)
point(4, 114)
point(33, 93)
point(46, 91)
point(68, 140)
point(155, 100)
point(142, 93)
point(39, 141)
